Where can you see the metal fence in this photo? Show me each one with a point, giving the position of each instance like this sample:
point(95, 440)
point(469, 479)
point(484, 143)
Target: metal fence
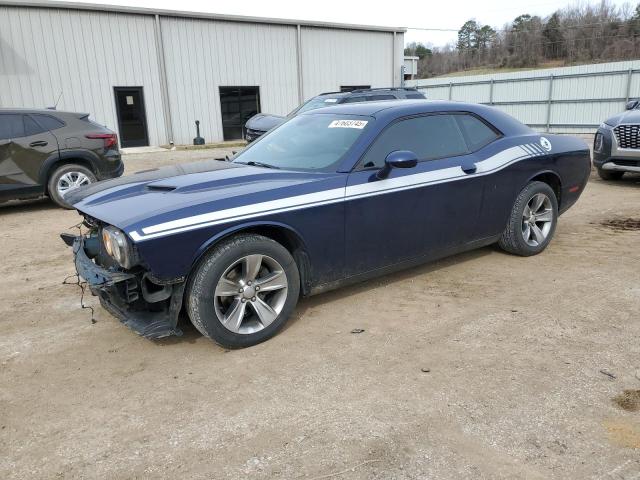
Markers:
point(559, 100)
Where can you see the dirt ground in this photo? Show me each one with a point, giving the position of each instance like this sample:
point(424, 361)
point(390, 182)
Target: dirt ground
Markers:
point(532, 367)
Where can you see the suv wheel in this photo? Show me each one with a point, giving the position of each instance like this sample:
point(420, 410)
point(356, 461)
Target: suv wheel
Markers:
point(532, 222)
point(243, 291)
point(610, 174)
point(66, 178)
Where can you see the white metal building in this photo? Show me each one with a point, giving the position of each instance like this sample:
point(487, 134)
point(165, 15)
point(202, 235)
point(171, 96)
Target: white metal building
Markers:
point(149, 74)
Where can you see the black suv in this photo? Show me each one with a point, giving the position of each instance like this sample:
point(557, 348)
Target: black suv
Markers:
point(46, 152)
point(261, 123)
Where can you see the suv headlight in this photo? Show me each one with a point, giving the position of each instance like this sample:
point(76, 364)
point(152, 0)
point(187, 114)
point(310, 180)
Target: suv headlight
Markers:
point(117, 246)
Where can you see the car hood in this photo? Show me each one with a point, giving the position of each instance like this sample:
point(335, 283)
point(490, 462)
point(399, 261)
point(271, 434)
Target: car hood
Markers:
point(171, 193)
point(264, 122)
point(629, 116)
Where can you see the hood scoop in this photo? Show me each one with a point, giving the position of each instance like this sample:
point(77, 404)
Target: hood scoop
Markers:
point(159, 187)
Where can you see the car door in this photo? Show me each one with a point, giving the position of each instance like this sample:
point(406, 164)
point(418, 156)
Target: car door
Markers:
point(12, 178)
point(425, 210)
point(24, 152)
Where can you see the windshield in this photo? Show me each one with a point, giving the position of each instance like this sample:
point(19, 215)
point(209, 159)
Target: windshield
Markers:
point(315, 102)
point(306, 142)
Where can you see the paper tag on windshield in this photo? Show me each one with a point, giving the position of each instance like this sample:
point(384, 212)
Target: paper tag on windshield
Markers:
point(348, 124)
point(331, 100)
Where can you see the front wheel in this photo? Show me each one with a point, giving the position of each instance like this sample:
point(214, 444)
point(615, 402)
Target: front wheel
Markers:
point(532, 222)
point(243, 291)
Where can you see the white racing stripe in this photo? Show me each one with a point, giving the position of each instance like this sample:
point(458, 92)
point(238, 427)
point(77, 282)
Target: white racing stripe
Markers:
point(496, 162)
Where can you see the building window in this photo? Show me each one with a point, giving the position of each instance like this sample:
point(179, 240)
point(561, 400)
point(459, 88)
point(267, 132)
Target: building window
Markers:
point(351, 88)
point(237, 105)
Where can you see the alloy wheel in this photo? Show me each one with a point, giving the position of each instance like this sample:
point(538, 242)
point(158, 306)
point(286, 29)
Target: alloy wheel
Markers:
point(250, 294)
point(70, 181)
point(537, 219)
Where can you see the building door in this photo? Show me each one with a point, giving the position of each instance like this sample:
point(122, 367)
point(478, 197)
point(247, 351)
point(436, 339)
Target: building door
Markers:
point(132, 119)
point(237, 105)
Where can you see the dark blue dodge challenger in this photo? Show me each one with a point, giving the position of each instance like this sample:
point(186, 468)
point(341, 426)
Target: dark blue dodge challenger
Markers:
point(330, 197)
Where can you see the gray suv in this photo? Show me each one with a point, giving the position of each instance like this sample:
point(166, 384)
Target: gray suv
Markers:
point(616, 145)
point(46, 152)
point(261, 123)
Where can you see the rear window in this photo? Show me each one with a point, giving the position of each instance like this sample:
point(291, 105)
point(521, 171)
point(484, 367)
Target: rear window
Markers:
point(316, 102)
point(48, 122)
point(415, 95)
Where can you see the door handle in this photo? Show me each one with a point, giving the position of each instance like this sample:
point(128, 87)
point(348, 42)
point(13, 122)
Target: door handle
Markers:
point(39, 143)
point(469, 167)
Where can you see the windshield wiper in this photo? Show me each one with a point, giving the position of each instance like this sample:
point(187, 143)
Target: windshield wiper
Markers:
point(260, 164)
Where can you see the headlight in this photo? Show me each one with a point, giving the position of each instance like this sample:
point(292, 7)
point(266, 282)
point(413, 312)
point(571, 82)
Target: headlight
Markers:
point(598, 143)
point(117, 246)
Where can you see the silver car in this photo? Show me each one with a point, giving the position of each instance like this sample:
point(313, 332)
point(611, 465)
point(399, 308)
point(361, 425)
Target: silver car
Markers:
point(616, 146)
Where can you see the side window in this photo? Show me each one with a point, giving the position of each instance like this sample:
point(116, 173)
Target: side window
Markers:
point(429, 137)
point(415, 95)
point(477, 133)
point(48, 122)
point(355, 99)
point(31, 127)
point(351, 88)
point(374, 98)
point(11, 126)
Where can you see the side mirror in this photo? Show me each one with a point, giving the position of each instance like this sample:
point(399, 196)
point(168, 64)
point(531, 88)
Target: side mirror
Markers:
point(631, 105)
point(397, 159)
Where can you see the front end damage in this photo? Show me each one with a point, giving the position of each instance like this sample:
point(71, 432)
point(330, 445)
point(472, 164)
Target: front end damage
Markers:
point(146, 305)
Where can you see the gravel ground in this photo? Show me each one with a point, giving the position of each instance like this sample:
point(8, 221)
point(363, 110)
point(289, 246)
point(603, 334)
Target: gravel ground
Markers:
point(484, 365)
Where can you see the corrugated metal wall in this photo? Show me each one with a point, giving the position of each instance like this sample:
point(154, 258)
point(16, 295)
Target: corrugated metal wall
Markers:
point(83, 55)
point(563, 100)
point(202, 55)
point(332, 58)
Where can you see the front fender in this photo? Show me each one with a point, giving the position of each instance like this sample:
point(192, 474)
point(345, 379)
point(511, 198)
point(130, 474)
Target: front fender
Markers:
point(245, 227)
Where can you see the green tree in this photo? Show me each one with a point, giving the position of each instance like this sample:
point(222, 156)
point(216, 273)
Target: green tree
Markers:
point(417, 49)
point(553, 37)
point(467, 36)
point(484, 37)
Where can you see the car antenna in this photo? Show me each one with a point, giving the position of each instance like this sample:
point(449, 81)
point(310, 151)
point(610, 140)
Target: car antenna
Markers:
point(55, 107)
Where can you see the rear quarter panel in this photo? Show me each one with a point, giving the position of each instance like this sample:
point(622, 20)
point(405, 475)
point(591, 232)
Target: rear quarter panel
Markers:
point(568, 159)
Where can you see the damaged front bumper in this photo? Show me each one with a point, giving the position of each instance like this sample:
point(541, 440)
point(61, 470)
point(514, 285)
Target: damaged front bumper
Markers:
point(151, 310)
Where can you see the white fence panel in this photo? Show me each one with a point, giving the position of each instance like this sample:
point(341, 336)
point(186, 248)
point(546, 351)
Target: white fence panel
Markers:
point(559, 100)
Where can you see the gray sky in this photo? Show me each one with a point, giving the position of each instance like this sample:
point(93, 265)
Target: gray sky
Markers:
point(426, 14)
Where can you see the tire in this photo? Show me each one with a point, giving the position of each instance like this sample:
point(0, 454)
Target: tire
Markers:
point(229, 317)
point(520, 236)
point(609, 174)
point(63, 175)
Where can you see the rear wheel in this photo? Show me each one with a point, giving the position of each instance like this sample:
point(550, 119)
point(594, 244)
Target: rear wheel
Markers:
point(243, 291)
point(67, 178)
point(532, 222)
point(610, 174)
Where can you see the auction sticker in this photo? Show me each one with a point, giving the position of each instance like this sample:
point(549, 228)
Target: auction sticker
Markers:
point(348, 124)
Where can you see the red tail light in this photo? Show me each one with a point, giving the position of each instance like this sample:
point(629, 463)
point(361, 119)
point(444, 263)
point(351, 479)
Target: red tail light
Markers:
point(110, 139)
